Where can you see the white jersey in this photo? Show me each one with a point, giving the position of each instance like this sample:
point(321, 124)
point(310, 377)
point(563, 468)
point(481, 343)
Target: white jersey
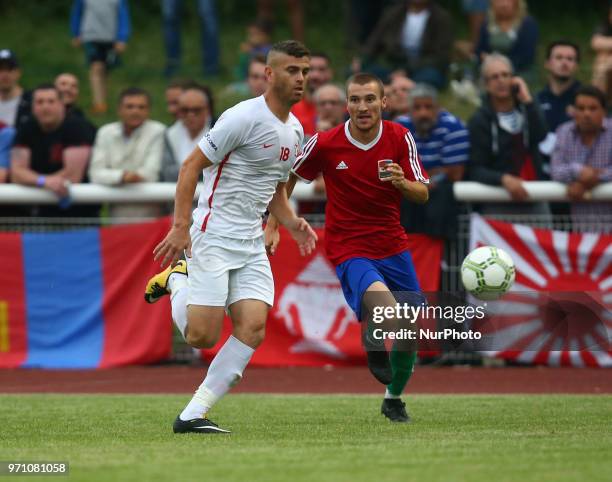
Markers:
point(252, 151)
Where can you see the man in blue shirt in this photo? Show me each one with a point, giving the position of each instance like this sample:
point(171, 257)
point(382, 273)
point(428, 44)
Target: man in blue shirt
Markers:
point(7, 134)
point(443, 144)
point(557, 98)
point(441, 138)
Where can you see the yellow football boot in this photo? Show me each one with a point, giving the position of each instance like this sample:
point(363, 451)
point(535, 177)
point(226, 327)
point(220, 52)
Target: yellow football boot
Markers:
point(158, 284)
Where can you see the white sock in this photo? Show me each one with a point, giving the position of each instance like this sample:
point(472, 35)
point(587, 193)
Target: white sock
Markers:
point(388, 394)
point(224, 372)
point(176, 281)
point(177, 285)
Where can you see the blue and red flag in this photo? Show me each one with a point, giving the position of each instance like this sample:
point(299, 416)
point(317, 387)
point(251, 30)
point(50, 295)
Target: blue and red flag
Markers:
point(74, 299)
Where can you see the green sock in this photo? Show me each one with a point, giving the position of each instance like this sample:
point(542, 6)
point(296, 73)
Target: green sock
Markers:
point(402, 365)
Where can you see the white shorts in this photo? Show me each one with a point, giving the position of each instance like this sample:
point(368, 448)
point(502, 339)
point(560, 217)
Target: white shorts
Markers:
point(225, 270)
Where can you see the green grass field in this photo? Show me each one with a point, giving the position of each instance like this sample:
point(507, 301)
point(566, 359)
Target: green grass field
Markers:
point(321, 438)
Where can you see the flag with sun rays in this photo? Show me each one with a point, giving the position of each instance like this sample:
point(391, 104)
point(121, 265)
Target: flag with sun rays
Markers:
point(559, 311)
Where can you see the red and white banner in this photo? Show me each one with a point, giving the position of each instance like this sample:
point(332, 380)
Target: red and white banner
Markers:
point(310, 323)
point(570, 273)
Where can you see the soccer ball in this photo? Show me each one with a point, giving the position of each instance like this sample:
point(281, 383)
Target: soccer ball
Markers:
point(487, 272)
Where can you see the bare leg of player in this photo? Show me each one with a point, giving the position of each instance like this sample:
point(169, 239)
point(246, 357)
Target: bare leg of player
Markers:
point(377, 295)
point(400, 362)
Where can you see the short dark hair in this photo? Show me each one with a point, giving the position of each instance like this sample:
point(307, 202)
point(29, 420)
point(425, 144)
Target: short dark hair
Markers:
point(179, 83)
point(364, 78)
point(592, 91)
point(257, 59)
point(563, 43)
point(321, 55)
point(134, 91)
point(205, 91)
point(47, 86)
point(289, 47)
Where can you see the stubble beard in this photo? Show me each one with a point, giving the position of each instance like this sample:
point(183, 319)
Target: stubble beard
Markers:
point(286, 96)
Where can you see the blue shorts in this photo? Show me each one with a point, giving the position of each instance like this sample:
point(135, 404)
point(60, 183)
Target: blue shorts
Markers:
point(357, 274)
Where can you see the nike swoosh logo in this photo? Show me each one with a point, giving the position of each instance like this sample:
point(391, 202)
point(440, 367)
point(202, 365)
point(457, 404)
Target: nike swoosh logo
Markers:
point(265, 146)
point(211, 428)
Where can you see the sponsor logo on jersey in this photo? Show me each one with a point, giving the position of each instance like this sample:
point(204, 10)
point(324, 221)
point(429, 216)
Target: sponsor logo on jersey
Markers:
point(210, 141)
point(342, 165)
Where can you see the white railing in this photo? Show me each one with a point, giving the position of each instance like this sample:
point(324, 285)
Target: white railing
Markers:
point(164, 192)
point(154, 192)
point(538, 191)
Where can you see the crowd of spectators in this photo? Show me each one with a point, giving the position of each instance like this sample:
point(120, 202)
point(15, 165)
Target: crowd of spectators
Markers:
point(517, 134)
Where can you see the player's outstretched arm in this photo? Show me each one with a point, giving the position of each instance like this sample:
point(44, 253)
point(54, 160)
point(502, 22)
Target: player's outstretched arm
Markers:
point(271, 234)
point(414, 191)
point(177, 240)
point(300, 230)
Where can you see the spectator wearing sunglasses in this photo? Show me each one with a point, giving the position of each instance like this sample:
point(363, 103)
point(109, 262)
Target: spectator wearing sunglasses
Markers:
point(193, 122)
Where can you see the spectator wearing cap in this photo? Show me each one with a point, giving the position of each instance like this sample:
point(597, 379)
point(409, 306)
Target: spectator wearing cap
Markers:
point(51, 151)
point(442, 142)
point(15, 102)
point(582, 157)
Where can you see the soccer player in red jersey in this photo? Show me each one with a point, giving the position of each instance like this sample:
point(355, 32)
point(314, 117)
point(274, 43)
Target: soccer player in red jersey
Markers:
point(368, 165)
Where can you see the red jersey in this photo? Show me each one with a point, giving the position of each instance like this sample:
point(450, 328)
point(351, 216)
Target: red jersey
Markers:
point(306, 112)
point(362, 217)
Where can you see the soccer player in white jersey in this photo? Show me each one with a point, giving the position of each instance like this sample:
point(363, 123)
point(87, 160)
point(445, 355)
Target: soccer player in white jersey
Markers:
point(246, 160)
